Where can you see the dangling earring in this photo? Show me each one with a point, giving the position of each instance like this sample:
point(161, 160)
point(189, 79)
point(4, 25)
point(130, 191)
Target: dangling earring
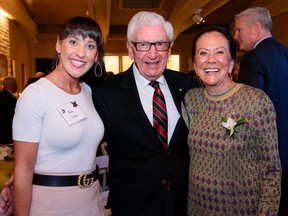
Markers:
point(201, 82)
point(55, 61)
point(230, 76)
point(95, 69)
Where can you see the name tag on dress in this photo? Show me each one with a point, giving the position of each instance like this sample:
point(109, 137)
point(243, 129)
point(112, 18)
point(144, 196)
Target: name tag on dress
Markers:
point(72, 113)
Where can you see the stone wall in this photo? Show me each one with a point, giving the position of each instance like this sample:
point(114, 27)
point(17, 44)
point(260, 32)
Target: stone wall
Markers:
point(5, 68)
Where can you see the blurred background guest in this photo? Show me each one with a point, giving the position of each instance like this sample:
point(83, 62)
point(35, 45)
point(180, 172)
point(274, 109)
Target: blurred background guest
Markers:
point(7, 107)
point(37, 76)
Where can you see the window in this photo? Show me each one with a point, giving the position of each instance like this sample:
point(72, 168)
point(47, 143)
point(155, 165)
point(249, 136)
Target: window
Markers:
point(112, 63)
point(126, 62)
point(173, 62)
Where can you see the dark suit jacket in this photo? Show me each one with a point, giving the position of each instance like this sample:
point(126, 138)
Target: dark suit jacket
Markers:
point(266, 67)
point(31, 80)
point(7, 107)
point(140, 170)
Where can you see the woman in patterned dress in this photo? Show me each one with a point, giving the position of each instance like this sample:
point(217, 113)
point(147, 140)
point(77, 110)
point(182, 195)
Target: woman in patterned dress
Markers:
point(235, 167)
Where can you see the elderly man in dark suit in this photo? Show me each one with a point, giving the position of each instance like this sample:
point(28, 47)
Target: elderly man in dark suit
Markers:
point(265, 66)
point(7, 106)
point(147, 178)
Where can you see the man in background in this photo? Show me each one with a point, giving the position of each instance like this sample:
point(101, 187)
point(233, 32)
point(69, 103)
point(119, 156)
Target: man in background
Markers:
point(265, 66)
point(7, 106)
point(37, 76)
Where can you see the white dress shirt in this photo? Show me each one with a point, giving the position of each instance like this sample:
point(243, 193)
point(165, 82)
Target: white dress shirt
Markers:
point(146, 92)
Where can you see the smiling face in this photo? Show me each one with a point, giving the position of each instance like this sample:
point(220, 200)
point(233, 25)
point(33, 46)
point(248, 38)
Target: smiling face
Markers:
point(151, 64)
point(77, 55)
point(213, 62)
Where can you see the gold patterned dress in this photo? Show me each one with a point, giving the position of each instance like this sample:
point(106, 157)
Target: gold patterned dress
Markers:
point(237, 175)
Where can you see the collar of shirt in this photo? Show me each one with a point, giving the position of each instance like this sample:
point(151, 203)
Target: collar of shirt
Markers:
point(260, 41)
point(146, 92)
point(142, 82)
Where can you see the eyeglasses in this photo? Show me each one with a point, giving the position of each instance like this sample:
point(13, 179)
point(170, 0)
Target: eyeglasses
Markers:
point(145, 46)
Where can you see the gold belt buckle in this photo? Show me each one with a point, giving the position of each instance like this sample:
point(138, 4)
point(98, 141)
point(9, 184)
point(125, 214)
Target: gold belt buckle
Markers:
point(85, 180)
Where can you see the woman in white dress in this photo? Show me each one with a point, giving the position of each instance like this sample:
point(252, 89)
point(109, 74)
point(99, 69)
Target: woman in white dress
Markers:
point(56, 131)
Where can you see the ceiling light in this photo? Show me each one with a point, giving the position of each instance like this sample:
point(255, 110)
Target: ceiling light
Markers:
point(197, 17)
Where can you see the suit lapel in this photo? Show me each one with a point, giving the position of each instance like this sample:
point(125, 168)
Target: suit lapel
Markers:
point(180, 127)
point(175, 91)
point(134, 106)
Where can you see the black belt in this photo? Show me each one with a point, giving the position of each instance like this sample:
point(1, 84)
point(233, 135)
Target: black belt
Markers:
point(84, 180)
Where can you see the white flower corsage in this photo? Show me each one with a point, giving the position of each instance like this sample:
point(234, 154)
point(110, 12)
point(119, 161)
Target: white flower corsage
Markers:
point(231, 125)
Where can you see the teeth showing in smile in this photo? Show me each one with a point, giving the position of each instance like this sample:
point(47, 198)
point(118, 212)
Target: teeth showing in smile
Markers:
point(152, 63)
point(77, 63)
point(211, 70)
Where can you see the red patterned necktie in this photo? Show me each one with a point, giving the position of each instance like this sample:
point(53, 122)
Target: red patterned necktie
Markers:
point(160, 119)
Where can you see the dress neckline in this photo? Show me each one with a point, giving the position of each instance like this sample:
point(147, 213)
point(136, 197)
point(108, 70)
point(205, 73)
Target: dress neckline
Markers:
point(224, 95)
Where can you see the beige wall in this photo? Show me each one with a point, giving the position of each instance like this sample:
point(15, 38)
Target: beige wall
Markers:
point(21, 53)
point(5, 68)
point(17, 47)
point(116, 45)
point(45, 47)
point(183, 47)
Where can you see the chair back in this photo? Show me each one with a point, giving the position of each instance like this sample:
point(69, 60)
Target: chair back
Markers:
point(102, 162)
